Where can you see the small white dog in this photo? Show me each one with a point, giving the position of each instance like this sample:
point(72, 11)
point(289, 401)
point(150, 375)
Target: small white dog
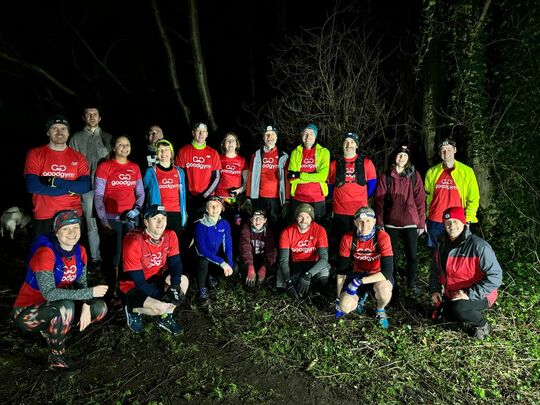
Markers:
point(11, 219)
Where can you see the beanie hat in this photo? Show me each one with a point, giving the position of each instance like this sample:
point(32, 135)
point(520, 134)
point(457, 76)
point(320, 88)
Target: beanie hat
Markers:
point(56, 119)
point(154, 210)
point(455, 213)
point(65, 217)
point(269, 128)
point(446, 141)
point(313, 127)
point(259, 212)
point(166, 143)
point(307, 208)
point(354, 136)
point(364, 212)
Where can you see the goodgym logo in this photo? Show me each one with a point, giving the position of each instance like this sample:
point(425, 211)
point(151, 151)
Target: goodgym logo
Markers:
point(197, 162)
point(231, 169)
point(123, 180)
point(59, 171)
point(268, 163)
point(70, 274)
point(168, 183)
point(303, 247)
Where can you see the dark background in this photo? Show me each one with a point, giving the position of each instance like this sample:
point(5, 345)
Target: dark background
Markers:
point(239, 38)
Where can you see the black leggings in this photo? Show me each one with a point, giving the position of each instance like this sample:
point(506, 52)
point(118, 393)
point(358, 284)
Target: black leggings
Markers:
point(465, 311)
point(54, 320)
point(409, 236)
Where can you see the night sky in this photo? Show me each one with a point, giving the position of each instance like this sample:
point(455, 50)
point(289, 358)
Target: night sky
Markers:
point(75, 41)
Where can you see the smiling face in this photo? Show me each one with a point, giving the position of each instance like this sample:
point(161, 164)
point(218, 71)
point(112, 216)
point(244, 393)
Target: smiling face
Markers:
point(58, 135)
point(453, 228)
point(402, 159)
point(91, 117)
point(164, 155)
point(214, 208)
point(447, 154)
point(200, 134)
point(308, 138)
point(365, 225)
point(156, 225)
point(258, 222)
point(349, 147)
point(270, 139)
point(68, 236)
point(303, 220)
point(155, 133)
point(229, 144)
point(122, 147)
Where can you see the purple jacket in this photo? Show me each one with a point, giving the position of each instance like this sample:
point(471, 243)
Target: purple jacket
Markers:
point(403, 206)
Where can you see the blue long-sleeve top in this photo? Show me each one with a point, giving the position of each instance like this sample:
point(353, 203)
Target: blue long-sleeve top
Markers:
point(371, 186)
point(61, 186)
point(174, 265)
point(211, 237)
point(153, 195)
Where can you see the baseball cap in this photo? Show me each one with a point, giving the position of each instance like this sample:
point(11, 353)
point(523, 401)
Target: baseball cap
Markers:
point(154, 210)
point(56, 119)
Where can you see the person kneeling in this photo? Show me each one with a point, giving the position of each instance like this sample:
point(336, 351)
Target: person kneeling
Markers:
point(365, 265)
point(55, 289)
point(466, 267)
point(303, 255)
point(152, 282)
point(257, 249)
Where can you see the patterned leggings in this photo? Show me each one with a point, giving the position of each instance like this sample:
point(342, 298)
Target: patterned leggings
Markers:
point(54, 320)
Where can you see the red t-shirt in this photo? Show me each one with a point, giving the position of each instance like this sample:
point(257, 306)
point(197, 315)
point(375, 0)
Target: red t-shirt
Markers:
point(351, 196)
point(269, 186)
point(67, 164)
point(446, 195)
point(121, 179)
point(138, 253)
point(169, 184)
point(303, 246)
point(308, 192)
point(43, 260)
point(366, 258)
point(199, 165)
point(231, 174)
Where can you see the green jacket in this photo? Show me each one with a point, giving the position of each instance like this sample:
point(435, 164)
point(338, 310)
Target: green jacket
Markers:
point(322, 166)
point(466, 183)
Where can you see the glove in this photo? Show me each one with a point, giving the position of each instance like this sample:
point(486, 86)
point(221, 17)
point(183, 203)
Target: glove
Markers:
point(133, 213)
point(291, 290)
point(304, 283)
point(293, 175)
point(339, 312)
point(352, 288)
point(174, 295)
point(232, 192)
point(47, 180)
point(250, 278)
point(261, 275)
point(286, 209)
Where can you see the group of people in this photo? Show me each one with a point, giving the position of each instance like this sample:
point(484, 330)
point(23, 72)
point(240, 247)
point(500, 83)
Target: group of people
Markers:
point(250, 217)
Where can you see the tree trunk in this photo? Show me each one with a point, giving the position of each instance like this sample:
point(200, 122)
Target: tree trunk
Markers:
point(172, 65)
point(429, 104)
point(198, 61)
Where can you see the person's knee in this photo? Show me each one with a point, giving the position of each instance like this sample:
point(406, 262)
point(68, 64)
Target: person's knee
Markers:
point(383, 290)
point(98, 309)
point(460, 310)
point(348, 303)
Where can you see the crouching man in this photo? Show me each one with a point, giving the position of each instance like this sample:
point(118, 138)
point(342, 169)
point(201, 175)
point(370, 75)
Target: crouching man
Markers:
point(153, 283)
point(303, 255)
point(365, 265)
point(465, 274)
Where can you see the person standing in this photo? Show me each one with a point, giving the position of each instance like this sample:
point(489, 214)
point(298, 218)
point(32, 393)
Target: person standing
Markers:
point(308, 171)
point(267, 185)
point(449, 184)
point(400, 208)
point(147, 158)
point(354, 179)
point(56, 175)
point(95, 145)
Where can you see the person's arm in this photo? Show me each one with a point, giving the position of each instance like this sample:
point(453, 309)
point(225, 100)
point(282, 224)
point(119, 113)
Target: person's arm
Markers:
point(174, 265)
point(371, 181)
point(323, 168)
point(244, 245)
point(79, 186)
point(492, 274)
point(50, 292)
point(139, 194)
point(99, 192)
point(284, 267)
point(34, 186)
point(214, 181)
point(420, 200)
point(472, 199)
point(137, 276)
point(322, 262)
point(202, 245)
point(228, 243)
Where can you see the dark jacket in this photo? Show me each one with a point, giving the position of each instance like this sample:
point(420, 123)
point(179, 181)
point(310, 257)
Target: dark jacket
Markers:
point(467, 264)
point(404, 204)
point(251, 241)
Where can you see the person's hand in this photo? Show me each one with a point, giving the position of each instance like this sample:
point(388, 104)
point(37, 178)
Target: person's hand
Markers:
point(227, 270)
point(47, 180)
point(174, 295)
point(261, 275)
point(460, 295)
point(420, 231)
point(304, 283)
point(291, 290)
point(436, 298)
point(352, 288)
point(293, 175)
point(233, 192)
point(250, 278)
point(133, 213)
point(86, 317)
point(99, 291)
